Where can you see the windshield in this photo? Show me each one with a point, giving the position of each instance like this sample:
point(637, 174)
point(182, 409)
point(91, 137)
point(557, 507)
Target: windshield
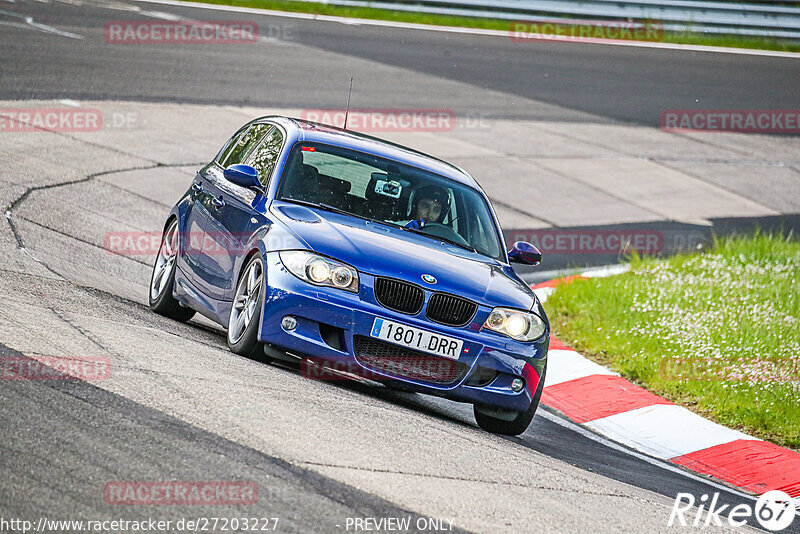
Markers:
point(368, 186)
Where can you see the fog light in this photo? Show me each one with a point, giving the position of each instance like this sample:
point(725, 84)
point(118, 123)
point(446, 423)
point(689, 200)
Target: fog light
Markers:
point(517, 384)
point(289, 323)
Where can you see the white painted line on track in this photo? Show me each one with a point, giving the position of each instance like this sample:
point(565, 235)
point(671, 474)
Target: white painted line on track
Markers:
point(472, 31)
point(664, 430)
point(161, 15)
point(175, 18)
point(605, 272)
point(544, 292)
point(29, 24)
point(575, 427)
point(566, 365)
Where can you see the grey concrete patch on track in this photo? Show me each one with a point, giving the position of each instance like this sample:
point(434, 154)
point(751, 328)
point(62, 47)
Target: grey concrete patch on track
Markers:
point(668, 194)
point(425, 456)
point(775, 185)
point(162, 186)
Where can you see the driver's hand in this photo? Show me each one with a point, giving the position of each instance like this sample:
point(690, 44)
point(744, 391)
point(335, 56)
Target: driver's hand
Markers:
point(416, 224)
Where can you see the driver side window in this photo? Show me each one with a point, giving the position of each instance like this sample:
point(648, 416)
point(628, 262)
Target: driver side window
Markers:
point(265, 156)
point(238, 150)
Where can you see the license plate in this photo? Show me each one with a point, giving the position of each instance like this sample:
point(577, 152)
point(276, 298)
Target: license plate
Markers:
point(416, 338)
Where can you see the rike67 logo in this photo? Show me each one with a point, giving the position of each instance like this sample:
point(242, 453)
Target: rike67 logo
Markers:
point(774, 510)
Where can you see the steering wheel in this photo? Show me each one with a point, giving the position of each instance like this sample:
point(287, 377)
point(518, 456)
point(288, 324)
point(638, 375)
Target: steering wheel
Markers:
point(442, 230)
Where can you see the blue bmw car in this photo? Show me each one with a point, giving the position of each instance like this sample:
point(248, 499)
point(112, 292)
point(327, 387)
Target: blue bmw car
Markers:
point(314, 242)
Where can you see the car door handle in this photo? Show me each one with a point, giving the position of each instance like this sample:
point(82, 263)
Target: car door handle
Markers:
point(218, 202)
point(197, 186)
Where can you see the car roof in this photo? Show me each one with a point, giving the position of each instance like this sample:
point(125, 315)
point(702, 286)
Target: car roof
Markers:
point(323, 133)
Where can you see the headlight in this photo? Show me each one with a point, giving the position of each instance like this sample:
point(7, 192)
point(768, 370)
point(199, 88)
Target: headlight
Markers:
point(319, 270)
point(522, 326)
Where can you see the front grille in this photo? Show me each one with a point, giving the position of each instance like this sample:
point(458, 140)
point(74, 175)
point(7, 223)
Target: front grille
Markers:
point(450, 309)
point(399, 296)
point(407, 363)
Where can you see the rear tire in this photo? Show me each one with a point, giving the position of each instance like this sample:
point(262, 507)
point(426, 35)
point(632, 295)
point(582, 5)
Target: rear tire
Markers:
point(162, 281)
point(245, 315)
point(515, 426)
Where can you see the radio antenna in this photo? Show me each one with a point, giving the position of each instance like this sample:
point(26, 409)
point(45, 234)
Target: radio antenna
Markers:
point(347, 110)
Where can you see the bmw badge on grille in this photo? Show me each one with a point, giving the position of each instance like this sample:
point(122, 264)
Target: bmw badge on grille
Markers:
point(429, 279)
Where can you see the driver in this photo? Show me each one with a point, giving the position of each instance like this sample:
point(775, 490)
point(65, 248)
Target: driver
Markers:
point(431, 204)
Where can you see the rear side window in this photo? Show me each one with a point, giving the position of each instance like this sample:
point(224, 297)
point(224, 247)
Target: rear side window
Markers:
point(265, 155)
point(238, 150)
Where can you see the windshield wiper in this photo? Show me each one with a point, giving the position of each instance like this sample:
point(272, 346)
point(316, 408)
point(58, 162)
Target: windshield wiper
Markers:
point(334, 209)
point(326, 207)
point(436, 237)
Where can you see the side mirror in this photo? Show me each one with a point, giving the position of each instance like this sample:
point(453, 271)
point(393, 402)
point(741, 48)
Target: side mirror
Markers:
point(524, 253)
point(243, 175)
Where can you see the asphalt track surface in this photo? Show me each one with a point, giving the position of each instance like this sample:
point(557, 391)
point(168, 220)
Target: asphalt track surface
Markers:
point(180, 407)
point(569, 80)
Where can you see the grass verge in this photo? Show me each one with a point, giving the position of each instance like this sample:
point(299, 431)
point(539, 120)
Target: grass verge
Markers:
point(760, 43)
point(717, 332)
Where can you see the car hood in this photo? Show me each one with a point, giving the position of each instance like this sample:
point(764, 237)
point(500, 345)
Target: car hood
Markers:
point(381, 250)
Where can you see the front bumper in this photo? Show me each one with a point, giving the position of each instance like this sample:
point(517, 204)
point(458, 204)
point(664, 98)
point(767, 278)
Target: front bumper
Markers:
point(328, 319)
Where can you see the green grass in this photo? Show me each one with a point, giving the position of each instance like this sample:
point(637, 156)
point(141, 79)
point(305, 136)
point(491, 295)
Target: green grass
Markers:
point(717, 332)
point(490, 24)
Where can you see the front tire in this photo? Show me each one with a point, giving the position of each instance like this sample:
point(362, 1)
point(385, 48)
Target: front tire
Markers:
point(162, 280)
point(515, 426)
point(245, 315)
